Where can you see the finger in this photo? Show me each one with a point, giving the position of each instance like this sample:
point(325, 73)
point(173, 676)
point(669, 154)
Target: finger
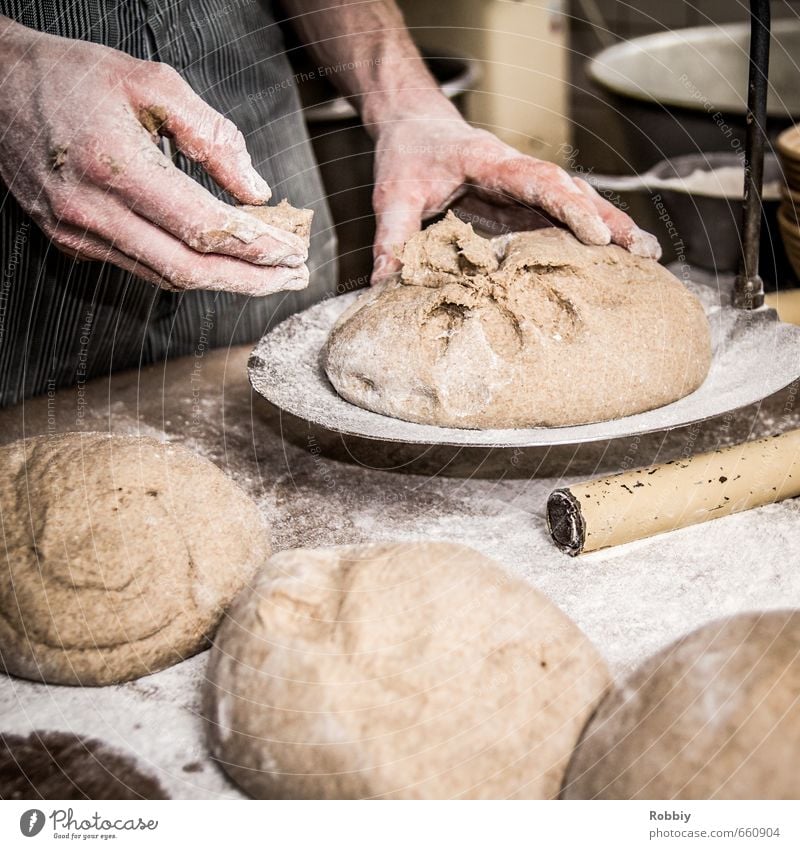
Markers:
point(540, 184)
point(82, 246)
point(395, 225)
point(179, 267)
point(152, 186)
point(167, 103)
point(624, 230)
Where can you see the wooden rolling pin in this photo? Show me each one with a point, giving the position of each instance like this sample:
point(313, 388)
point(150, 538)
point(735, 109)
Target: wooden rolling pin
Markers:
point(644, 502)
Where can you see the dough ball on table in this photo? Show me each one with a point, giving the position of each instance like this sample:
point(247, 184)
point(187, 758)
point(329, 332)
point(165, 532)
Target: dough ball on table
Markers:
point(121, 555)
point(532, 329)
point(714, 716)
point(406, 670)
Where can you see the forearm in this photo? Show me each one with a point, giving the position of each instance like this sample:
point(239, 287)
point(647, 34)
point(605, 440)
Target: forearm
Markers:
point(374, 59)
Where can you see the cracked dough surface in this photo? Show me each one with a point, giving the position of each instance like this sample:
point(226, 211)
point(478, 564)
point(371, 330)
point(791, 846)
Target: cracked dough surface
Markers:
point(531, 329)
point(122, 554)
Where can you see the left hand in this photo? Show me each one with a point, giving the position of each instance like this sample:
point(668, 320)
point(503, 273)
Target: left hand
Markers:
point(424, 164)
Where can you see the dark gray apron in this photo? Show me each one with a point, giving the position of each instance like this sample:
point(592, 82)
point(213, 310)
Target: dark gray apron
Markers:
point(63, 322)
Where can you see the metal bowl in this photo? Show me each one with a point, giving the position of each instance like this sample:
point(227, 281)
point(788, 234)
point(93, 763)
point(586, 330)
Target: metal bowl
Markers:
point(709, 226)
point(754, 355)
point(685, 90)
point(696, 227)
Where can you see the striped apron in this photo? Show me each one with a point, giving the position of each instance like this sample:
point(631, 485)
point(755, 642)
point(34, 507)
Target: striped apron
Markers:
point(64, 322)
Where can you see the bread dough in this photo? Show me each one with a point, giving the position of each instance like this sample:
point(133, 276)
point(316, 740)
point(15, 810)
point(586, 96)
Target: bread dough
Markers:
point(714, 716)
point(121, 555)
point(405, 670)
point(519, 331)
point(284, 216)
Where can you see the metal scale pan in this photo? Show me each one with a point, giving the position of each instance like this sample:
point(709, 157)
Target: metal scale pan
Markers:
point(754, 354)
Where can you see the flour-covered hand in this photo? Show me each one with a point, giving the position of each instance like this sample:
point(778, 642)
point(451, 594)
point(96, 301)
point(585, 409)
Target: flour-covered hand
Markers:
point(80, 124)
point(425, 162)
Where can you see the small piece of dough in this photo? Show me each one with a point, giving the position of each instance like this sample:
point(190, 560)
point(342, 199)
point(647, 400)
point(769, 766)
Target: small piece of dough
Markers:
point(121, 555)
point(532, 329)
point(284, 216)
point(400, 670)
point(713, 716)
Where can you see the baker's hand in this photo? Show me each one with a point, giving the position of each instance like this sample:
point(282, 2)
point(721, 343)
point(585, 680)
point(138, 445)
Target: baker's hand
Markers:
point(79, 125)
point(424, 164)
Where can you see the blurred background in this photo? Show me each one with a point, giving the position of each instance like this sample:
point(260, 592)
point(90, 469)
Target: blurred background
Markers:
point(595, 24)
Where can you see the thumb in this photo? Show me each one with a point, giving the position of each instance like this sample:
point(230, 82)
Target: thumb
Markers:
point(396, 224)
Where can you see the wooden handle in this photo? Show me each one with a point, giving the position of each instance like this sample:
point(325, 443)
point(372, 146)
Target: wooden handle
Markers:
point(644, 502)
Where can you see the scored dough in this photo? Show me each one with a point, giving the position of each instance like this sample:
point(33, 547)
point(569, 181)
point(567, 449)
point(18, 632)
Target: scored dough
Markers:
point(400, 670)
point(121, 555)
point(531, 329)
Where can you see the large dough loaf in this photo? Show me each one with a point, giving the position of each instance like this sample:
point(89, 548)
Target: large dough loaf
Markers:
point(121, 555)
point(519, 331)
point(406, 670)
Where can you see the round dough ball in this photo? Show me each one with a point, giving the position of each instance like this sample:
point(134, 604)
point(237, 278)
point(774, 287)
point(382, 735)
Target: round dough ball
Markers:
point(532, 329)
point(121, 555)
point(714, 716)
point(406, 670)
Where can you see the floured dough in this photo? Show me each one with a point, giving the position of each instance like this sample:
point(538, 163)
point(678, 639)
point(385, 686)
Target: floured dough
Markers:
point(284, 216)
point(121, 555)
point(713, 716)
point(400, 670)
point(524, 330)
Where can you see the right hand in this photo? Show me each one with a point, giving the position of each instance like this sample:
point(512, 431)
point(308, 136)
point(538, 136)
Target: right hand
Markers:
point(79, 124)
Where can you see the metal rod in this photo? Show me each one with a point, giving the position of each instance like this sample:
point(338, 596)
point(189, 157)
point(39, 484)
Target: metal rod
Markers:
point(749, 288)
